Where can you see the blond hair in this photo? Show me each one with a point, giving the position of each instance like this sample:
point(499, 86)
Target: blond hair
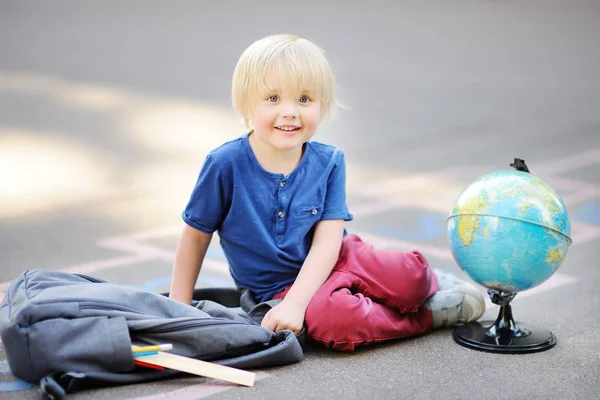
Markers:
point(293, 60)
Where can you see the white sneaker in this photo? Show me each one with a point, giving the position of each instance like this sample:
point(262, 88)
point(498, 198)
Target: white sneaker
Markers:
point(447, 280)
point(457, 304)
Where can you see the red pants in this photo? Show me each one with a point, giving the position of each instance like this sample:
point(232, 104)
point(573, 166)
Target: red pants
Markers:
point(370, 296)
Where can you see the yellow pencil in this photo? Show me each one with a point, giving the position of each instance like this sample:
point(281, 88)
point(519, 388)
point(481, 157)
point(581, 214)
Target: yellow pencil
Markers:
point(158, 347)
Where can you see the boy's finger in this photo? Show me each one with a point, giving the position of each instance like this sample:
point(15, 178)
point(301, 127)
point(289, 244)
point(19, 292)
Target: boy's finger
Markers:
point(265, 322)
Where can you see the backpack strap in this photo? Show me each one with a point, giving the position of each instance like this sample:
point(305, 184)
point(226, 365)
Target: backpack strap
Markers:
point(53, 386)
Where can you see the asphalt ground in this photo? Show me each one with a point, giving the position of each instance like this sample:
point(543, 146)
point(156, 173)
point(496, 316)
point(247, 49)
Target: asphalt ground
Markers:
point(108, 108)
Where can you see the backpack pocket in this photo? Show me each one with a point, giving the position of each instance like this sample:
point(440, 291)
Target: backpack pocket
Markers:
point(98, 344)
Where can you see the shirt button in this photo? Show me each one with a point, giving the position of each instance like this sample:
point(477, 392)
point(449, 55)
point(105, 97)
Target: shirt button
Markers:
point(314, 211)
point(281, 214)
point(282, 183)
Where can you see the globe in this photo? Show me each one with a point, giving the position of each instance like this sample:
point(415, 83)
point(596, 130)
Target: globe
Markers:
point(509, 231)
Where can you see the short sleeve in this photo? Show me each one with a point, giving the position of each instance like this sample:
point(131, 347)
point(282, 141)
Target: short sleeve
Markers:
point(335, 199)
point(210, 199)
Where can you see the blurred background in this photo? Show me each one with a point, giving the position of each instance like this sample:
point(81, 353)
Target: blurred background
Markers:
point(107, 109)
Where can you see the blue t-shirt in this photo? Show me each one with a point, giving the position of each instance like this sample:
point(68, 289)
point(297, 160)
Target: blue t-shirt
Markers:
point(266, 221)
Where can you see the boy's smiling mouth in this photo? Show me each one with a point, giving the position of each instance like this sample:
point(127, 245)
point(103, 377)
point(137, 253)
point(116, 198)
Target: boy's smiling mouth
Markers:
point(287, 128)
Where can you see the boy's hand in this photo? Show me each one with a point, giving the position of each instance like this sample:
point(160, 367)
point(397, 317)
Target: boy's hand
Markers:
point(285, 315)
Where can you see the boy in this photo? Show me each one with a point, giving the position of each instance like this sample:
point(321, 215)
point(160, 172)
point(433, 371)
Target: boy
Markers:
point(278, 201)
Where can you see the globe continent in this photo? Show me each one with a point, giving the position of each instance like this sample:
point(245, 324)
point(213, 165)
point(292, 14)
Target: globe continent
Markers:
point(509, 231)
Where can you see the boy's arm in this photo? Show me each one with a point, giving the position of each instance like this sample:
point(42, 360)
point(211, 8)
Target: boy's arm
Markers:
point(322, 257)
point(188, 260)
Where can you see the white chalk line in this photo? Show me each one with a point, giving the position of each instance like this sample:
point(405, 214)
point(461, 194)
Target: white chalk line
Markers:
point(582, 232)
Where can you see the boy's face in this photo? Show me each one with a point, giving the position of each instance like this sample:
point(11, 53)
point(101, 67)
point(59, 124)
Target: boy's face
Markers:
point(284, 119)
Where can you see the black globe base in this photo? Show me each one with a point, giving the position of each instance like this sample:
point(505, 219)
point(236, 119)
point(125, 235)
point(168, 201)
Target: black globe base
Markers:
point(504, 335)
point(485, 337)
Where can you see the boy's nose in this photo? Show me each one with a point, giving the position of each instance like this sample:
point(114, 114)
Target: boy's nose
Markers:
point(289, 111)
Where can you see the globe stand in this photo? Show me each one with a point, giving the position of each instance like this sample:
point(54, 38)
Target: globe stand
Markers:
point(504, 335)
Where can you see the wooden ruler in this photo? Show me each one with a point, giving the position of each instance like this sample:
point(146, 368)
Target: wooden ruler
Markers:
point(199, 367)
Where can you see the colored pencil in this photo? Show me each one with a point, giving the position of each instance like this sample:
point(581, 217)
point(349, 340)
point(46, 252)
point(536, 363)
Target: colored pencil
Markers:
point(143, 364)
point(145, 353)
point(158, 347)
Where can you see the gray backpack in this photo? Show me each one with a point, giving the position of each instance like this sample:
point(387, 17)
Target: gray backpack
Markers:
point(71, 331)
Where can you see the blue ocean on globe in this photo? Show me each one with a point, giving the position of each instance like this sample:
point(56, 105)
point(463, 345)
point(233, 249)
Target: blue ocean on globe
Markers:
point(509, 231)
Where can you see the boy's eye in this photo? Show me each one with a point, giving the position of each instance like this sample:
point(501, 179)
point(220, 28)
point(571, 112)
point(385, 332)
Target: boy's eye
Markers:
point(273, 98)
point(304, 99)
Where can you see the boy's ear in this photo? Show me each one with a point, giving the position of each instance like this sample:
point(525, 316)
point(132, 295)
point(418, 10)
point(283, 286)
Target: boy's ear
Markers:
point(247, 118)
point(247, 122)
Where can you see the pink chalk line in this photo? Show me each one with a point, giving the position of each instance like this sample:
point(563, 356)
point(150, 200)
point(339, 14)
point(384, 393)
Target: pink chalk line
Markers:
point(198, 391)
point(138, 253)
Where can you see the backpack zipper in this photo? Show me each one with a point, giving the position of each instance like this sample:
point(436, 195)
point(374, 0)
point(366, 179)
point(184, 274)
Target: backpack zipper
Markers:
point(164, 327)
point(182, 325)
point(94, 305)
